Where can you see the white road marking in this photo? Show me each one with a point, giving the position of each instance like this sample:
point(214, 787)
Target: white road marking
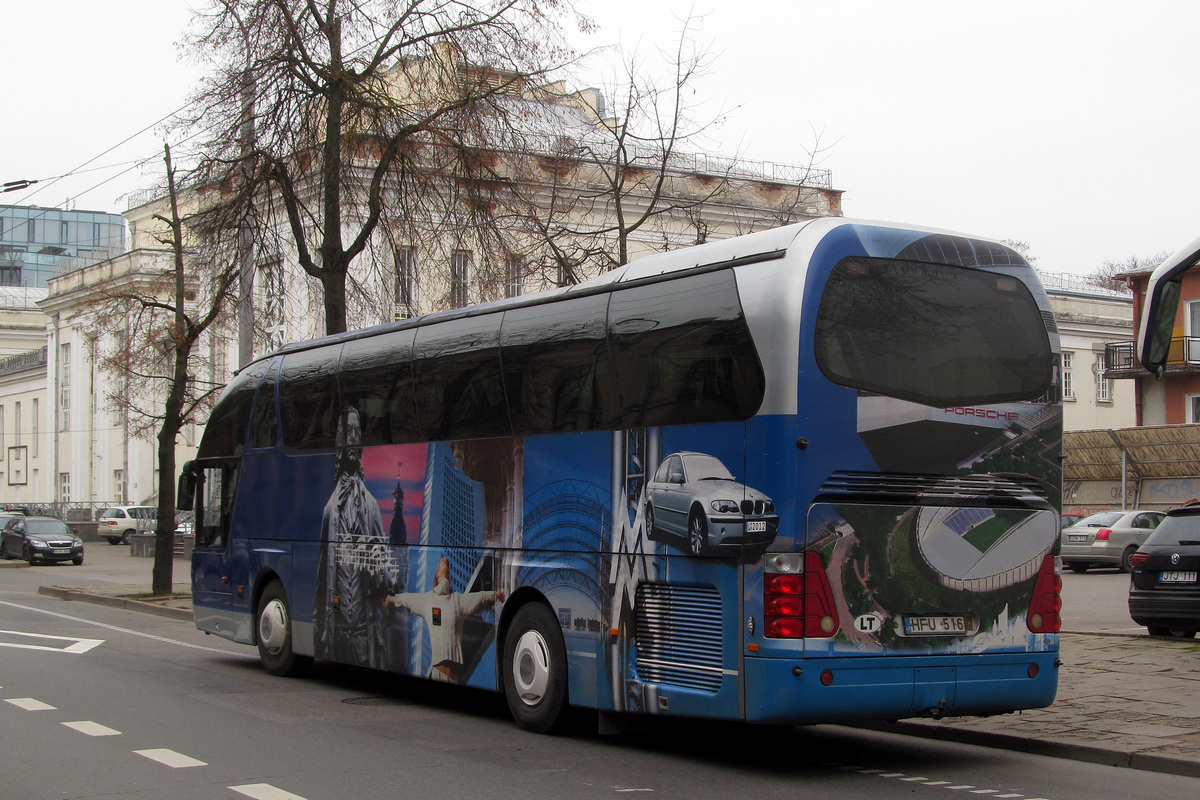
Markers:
point(128, 631)
point(29, 704)
point(92, 728)
point(170, 758)
point(265, 791)
point(77, 645)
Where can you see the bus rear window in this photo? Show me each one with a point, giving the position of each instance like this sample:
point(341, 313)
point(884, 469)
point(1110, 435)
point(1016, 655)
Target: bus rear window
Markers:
point(931, 333)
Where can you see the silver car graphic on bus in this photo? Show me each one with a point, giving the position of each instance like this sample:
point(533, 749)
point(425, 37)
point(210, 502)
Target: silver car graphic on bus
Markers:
point(693, 497)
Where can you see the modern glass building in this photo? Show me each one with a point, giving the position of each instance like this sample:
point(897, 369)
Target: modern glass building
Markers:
point(38, 243)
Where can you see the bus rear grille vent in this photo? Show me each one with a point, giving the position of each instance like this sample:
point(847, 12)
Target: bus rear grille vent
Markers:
point(679, 635)
point(875, 487)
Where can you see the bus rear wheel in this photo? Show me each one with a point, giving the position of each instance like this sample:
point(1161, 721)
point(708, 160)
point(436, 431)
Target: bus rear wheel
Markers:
point(274, 627)
point(535, 669)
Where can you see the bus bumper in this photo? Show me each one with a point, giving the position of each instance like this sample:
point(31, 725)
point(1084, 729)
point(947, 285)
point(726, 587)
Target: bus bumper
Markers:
point(788, 691)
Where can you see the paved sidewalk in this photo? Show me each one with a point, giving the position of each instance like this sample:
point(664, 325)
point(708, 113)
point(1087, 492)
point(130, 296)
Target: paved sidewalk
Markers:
point(1129, 701)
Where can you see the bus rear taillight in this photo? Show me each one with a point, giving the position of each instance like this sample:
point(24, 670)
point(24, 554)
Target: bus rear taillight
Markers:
point(1044, 607)
point(797, 598)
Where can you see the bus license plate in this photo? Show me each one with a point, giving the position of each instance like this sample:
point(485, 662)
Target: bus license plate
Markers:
point(756, 527)
point(936, 625)
point(1179, 577)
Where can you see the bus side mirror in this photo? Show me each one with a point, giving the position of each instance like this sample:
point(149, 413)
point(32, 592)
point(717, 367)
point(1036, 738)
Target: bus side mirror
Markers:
point(1157, 330)
point(185, 497)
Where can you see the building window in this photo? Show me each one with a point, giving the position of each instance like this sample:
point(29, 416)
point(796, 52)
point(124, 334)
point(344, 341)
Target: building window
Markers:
point(119, 484)
point(1103, 383)
point(460, 273)
point(565, 276)
point(514, 273)
point(406, 271)
point(35, 427)
point(17, 424)
point(95, 234)
point(64, 232)
point(65, 384)
point(64, 487)
point(1068, 375)
point(31, 230)
point(1191, 408)
point(271, 285)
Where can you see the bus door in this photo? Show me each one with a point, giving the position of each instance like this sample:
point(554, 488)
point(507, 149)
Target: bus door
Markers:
point(212, 589)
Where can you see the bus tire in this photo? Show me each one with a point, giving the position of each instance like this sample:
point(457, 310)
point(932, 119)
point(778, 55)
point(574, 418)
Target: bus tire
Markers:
point(535, 669)
point(273, 626)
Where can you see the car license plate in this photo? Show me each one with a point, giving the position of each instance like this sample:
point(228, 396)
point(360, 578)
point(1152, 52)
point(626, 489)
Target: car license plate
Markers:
point(1076, 537)
point(58, 551)
point(1178, 577)
point(759, 526)
point(936, 625)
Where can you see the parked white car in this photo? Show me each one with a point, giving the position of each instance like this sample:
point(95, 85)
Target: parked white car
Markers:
point(118, 522)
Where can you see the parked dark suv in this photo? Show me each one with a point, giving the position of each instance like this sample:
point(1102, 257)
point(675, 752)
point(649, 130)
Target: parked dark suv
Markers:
point(1164, 591)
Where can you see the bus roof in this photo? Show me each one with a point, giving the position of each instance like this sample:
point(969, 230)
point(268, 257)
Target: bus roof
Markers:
point(750, 247)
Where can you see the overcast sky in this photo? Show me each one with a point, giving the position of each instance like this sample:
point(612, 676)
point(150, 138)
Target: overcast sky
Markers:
point(1068, 124)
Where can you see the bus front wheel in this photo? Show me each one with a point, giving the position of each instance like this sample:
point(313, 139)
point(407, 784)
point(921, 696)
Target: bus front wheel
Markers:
point(275, 634)
point(535, 669)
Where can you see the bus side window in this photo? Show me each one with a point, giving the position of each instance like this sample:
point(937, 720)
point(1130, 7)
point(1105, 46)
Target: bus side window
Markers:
point(308, 399)
point(555, 361)
point(376, 378)
point(459, 390)
point(683, 352)
point(264, 430)
point(218, 487)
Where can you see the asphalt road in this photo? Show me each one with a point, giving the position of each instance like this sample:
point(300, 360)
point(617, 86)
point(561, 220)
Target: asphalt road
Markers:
point(97, 702)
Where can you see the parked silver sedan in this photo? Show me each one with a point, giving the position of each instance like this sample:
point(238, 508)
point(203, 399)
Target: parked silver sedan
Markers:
point(1108, 538)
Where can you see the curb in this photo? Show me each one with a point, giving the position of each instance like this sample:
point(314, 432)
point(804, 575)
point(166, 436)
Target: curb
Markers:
point(116, 602)
point(1092, 754)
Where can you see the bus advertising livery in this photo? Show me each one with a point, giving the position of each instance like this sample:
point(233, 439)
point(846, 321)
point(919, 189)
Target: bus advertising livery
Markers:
point(807, 475)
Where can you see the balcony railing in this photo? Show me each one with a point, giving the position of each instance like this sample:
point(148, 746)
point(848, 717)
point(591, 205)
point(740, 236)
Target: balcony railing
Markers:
point(1120, 358)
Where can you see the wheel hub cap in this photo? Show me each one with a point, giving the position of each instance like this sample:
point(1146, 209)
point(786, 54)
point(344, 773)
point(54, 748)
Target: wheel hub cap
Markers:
point(272, 626)
point(531, 668)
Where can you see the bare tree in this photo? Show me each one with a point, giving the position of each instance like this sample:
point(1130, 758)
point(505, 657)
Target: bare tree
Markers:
point(616, 166)
point(1023, 248)
point(1106, 275)
point(358, 106)
point(167, 310)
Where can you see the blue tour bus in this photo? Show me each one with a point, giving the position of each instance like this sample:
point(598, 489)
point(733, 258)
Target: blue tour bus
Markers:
point(806, 475)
